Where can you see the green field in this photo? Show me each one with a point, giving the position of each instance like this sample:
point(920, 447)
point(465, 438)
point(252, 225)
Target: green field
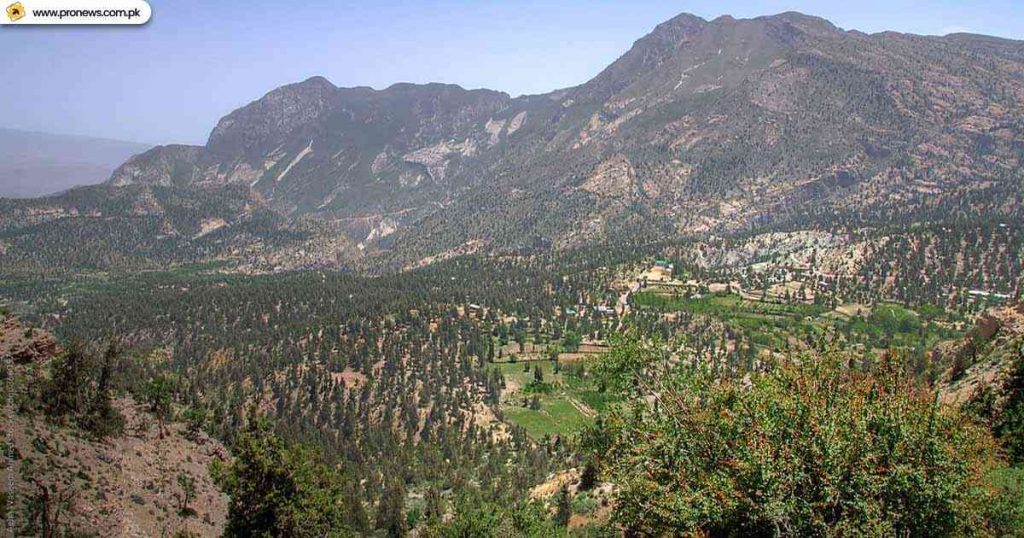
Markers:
point(721, 304)
point(769, 324)
point(567, 403)
point(557, 416)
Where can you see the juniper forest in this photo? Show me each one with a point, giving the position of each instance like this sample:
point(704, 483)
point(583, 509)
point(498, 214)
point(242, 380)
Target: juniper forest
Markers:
point(757, 277)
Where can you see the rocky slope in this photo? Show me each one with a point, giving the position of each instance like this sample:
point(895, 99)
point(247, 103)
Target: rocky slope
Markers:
point(986, 357)
point(25, 345)
point(702, 126)
point(123, 485)
point(349, 152)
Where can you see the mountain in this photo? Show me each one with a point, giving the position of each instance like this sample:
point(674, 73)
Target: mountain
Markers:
point(37, 164)
point(353, 153)
point(719, 126)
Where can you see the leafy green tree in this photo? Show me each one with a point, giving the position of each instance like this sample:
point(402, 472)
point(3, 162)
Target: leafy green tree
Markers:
point(563, 507)
point(79, 388)
point(69, 388)
point(355, 517)
point(520, 337)
point(100, 418)
point(588, 476)
point(159, 394)
point(571, 341)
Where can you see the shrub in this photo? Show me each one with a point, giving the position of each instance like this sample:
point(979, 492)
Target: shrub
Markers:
point(196, 418)
point(474, 517)
point(1007, 512)
point(808, 449)
point(584, 504)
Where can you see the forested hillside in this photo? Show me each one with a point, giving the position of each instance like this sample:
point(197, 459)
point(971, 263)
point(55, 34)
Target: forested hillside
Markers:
point(492, 385)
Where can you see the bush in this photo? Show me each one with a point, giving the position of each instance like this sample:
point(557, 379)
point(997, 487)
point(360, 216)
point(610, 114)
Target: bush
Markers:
point(804, 449)
point(1007, 512)
point(584, 504)
point(196, 417)
point(474, 517)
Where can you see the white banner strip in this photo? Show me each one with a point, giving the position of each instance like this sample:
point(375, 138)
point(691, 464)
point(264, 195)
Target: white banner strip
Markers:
point(26, 12)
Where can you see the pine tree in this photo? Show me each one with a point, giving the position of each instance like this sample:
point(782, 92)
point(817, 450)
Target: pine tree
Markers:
point(391, 511)
point(563, 507)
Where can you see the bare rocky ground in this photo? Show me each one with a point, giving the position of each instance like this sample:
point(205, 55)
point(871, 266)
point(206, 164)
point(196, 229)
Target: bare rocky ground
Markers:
point(24, 344)
point(597, 510)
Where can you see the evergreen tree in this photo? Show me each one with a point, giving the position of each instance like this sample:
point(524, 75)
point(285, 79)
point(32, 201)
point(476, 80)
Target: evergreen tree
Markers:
point(277, 490)
point(391, 510)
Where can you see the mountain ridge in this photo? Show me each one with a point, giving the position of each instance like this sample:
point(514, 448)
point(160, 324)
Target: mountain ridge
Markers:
point(701, 127)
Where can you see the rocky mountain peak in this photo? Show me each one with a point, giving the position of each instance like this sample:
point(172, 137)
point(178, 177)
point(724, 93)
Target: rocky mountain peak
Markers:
point(314, 83)
point(274, 115)
point(674, 30)
point(689, 42)
point(647, 53)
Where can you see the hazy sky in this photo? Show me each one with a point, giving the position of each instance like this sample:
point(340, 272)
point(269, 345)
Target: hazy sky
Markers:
point(170, 80)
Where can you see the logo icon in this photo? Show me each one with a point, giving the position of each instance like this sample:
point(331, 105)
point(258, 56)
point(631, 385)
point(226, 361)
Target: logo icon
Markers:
point(15, 11)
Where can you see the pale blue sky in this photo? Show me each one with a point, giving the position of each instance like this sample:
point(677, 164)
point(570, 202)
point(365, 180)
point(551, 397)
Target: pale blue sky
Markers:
point(170, 80)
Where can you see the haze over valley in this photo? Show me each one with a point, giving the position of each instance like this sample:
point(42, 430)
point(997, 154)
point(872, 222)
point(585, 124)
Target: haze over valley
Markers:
point(36, 164)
